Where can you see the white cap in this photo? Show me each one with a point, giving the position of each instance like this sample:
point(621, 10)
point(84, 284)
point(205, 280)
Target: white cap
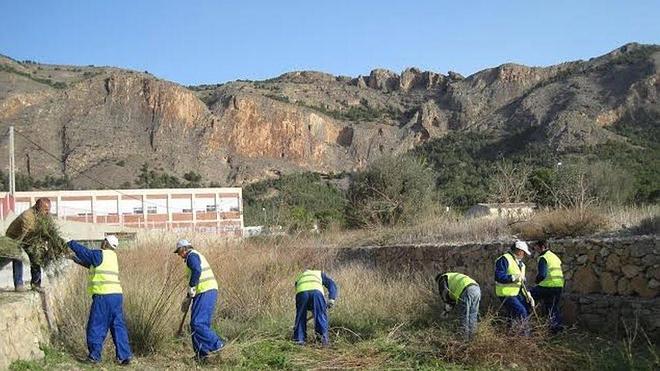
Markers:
point(112, 241)
point(522, 245)
point(181, 244)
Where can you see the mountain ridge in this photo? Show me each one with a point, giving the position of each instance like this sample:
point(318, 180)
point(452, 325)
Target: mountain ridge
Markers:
point(107, 122)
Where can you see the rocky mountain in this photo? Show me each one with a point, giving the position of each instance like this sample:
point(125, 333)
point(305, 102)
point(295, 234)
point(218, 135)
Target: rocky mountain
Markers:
point(104, 123)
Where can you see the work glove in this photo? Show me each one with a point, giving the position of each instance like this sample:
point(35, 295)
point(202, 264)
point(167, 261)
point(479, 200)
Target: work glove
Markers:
point(185, 304)
point(331, 303)
point(530, 299)
point(446, 308)
point(191, 292)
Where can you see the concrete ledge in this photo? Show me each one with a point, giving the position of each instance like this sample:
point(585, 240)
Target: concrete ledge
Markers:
point(23, 327)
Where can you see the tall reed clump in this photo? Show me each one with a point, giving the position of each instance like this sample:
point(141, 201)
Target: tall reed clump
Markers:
point(152, 280)
point(72, 308)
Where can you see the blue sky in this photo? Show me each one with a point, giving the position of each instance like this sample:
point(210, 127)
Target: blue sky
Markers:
point(197, 41)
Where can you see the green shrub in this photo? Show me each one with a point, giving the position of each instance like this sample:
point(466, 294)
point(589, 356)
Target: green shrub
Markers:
point(296, 201)
point(390, 191)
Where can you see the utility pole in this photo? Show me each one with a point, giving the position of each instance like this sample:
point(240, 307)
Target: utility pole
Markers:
point(12, 164)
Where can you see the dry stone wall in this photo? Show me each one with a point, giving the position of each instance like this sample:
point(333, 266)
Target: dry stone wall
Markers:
point(23, 327)
point(28, 319)
point(612, 284)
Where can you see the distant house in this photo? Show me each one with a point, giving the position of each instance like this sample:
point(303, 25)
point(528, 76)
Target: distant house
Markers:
point(505, 210)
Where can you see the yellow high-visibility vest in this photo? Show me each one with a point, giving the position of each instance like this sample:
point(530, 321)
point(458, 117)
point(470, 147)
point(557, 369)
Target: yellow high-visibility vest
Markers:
point(555, 277)
point(104, 279)
point(206, 278)
point(513, 288)
point(309, 280)
point(457, 282)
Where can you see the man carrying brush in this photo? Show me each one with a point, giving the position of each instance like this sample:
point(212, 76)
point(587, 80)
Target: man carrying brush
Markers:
point(203, 291)
point(106, 311)
point(458, 288)
point(310, 297)
point(22, 229)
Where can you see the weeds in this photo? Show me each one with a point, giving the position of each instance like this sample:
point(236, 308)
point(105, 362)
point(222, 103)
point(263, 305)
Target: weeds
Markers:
point(382, 320)
point(560, 223)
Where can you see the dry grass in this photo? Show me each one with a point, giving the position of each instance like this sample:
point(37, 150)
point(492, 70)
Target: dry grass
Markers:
point(454, 229)
point(562, 223)
point(382, 320)
point(638, 220)
point(559, 224)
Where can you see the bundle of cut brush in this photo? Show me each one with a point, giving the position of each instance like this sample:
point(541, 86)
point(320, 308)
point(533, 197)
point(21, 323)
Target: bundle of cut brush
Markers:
point(44, 244)
point(10, 248)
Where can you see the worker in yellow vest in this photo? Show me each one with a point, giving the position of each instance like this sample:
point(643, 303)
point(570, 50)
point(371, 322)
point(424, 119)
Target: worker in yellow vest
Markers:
point(107, 299)
point(550, 283)
point(510, 284)
point(310, 297)
point(457, 288)
point(203, 290)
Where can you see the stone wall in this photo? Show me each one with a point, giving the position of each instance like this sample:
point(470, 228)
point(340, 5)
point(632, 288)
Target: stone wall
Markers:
point(23, 327)
point(609, 282)
point(27, 320)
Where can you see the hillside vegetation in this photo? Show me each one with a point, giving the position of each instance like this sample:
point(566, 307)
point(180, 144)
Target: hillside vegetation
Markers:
point(457, 172)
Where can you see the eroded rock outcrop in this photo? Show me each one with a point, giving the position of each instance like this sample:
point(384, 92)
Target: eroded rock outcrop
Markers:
point(108, 122)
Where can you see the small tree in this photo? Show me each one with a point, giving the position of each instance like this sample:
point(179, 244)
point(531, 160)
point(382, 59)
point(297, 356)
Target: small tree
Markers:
point(611, 184)
point(194, 179)
point(510, 183)
point(149, 178)
point(392, 190)
point(571, 187)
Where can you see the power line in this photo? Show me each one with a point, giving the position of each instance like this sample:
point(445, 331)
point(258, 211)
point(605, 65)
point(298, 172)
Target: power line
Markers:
point(56, 158)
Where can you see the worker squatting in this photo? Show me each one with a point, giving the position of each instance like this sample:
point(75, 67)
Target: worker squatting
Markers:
point(510, 287)
point(456, 289)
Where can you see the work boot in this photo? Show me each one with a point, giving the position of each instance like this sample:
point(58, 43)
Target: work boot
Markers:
point(20, 288)
point(92, 361)
point(38, 288)
point(126, 362)
point(217, 350)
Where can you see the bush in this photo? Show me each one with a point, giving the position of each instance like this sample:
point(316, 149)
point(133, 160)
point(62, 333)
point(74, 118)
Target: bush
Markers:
point(150, 178)
point(392, 190)
point(560, 223)
point(28, 183)
point(650, 225)
point(296, 201)
point(610, 183)
point(511, 183)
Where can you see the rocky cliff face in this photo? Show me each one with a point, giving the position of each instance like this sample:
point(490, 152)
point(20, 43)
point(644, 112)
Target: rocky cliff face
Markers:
point(104, 123)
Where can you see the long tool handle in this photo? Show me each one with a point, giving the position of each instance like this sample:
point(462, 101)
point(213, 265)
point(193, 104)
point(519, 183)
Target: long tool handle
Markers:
point(179, 333)
point(527, 296)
